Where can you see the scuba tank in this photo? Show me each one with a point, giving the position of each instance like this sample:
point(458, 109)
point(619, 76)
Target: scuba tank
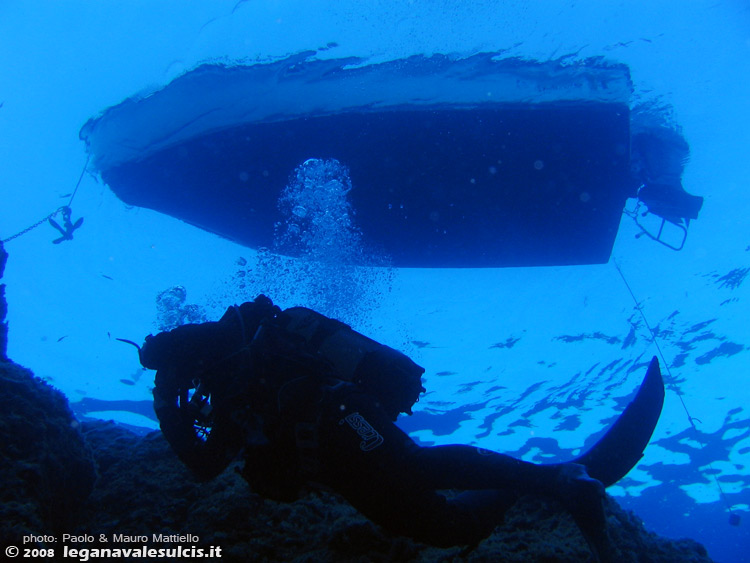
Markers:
point(387, 374)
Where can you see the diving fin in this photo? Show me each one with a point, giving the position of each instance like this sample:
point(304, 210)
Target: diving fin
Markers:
point(621, 447)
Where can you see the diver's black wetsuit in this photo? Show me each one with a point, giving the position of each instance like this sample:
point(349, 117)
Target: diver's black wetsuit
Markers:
point(302, 423)
point(393, 481)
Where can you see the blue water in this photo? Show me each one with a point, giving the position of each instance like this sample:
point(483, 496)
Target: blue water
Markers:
point(525, 361)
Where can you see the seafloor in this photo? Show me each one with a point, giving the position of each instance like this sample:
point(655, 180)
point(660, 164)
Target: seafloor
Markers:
point(60, 476)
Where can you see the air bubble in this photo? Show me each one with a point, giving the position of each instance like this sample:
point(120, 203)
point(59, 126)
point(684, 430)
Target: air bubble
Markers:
point(325, 264)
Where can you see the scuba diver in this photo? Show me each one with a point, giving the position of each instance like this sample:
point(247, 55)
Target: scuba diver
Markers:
point(312, 403)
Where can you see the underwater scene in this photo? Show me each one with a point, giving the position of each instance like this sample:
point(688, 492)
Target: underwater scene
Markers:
point(375, 281)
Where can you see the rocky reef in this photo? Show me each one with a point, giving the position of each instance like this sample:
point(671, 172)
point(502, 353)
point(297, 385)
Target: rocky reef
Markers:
point(143, 489)
point(97, 480)
point(48, 471)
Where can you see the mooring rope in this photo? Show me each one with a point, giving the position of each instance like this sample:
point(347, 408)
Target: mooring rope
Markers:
point(734, 518)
